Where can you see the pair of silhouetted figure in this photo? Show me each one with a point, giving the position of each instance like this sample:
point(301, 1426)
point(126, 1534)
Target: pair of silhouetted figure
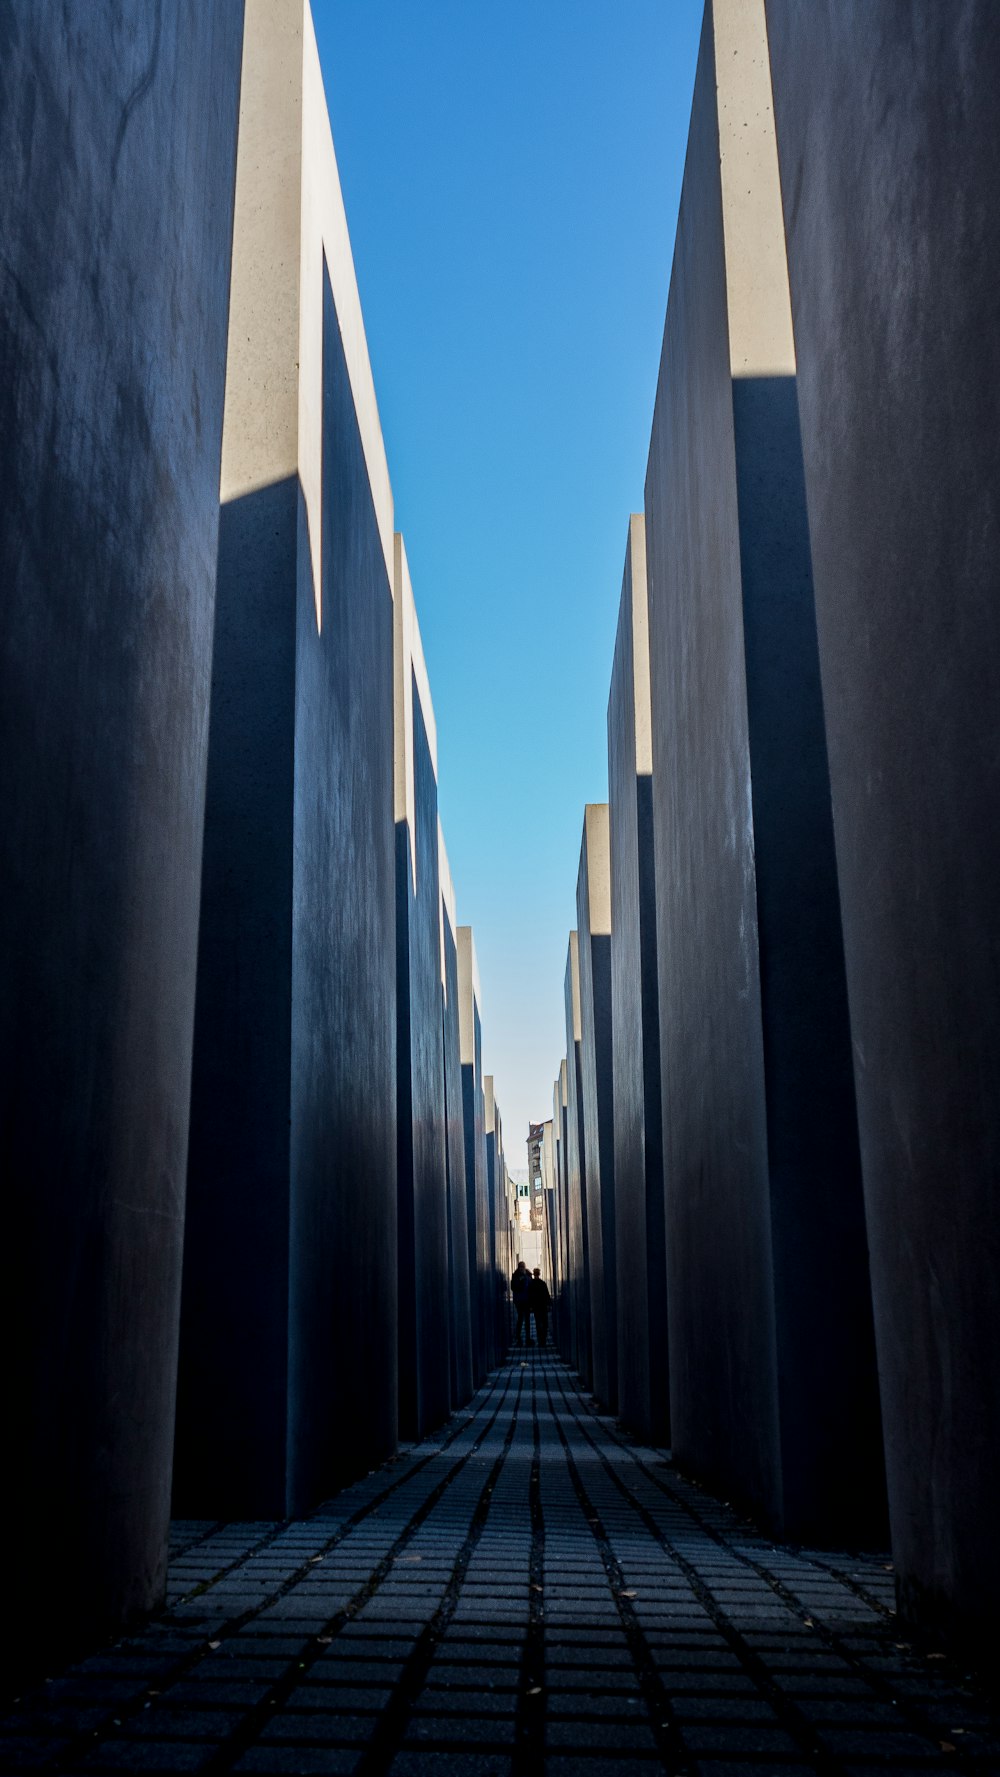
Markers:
point(531, 1297)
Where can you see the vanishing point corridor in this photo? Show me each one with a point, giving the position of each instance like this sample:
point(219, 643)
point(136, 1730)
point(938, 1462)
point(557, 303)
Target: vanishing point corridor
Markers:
point(524, 1591)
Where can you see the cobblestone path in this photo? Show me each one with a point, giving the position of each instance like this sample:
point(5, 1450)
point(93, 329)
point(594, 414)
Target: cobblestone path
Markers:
point(526, 1591)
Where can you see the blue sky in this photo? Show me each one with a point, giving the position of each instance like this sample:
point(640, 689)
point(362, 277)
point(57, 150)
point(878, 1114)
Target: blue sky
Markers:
point(511, 173)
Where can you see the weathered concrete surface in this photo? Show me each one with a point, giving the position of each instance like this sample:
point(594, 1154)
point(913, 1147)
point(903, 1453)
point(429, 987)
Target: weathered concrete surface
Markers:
point(772, 1374)
point(564, 1320)
point(424, 1312)
point(494, 1275)
point(887, 133)
point(117, 156)
point(291, 1234)
point(593, 913)
point(459, 1296)
point(560, 1286)
point(577, 1240)
point(640, 1232)
point(474, 1125)
point(551, 1248)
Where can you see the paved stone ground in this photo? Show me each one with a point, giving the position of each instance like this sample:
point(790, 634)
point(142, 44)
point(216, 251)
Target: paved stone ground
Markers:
point(525, 1592)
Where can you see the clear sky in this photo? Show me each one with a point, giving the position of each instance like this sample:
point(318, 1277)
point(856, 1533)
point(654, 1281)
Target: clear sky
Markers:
point(511, 171)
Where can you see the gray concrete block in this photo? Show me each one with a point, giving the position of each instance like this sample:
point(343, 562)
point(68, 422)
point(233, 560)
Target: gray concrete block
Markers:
point(459, 1294)
point(288, 1369)
point(593, 912)
point(578, 1246)
point(474, 1125)
point(421, 1160)
point(564, 1315)
point(887, 135)
point(494, 1274)
point(772, 1373)
point(640, 1232)
point(117, 155)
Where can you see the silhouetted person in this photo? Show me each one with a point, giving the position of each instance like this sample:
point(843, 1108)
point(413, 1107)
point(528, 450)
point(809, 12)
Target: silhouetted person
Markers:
point(520, 1284)
point(539, 1303)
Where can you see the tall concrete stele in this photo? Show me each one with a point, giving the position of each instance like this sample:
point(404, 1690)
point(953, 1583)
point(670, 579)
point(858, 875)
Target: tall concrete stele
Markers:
point(888, 141)
point(593, 915)
point(117, 154)
point(550, 1244)
point(560, 1115)
point(494, 1217)
point(577, 1242)
point(640, 1230)
point(474, 1122)
point(460, 1336)
point(288, 1337)
point(422, 1192)
point(772, 1365)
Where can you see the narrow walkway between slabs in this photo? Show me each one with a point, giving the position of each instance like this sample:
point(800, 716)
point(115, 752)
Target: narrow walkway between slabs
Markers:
point(525, 1592)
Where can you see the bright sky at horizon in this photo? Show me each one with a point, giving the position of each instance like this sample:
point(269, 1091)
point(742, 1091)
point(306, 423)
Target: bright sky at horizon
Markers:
point(511, 174)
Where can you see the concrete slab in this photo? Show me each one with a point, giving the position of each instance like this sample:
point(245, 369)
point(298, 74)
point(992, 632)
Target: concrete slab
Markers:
point(640, 1229)
point(117, 158)
point(291, 1233)
point(593, 912)
point(474, 1124)
point(887, 133)
point(497, 1272)
point(551, 1263)
point(578, 1246)
point(459, 1296)
point(422, 1187)
point(772, 1374)
point(560, 1105)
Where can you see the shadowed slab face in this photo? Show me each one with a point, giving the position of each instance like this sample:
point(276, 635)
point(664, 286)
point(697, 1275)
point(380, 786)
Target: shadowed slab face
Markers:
point(117, 153)
point(288, 1374)
point(643, 1388)
point(773, 1382)
point(422, 1183)
point(593, 903)
point(886, 127)
point(460, 1311)
point(473, 1122)
point(720, 1283)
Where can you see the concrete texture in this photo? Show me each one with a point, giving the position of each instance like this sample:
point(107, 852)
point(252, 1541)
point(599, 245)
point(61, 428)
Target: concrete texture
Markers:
point(424, 1307)
point(560, 1110)
point(593, 913)
point(494, 1277)
point(291, 1234)
point(640, 1229)
point(474, 1125)
point(117, 156)
point(548, 1157)
point(772, 1374)
point(577, 1241)
point(887, 133)
point(459, 1294)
